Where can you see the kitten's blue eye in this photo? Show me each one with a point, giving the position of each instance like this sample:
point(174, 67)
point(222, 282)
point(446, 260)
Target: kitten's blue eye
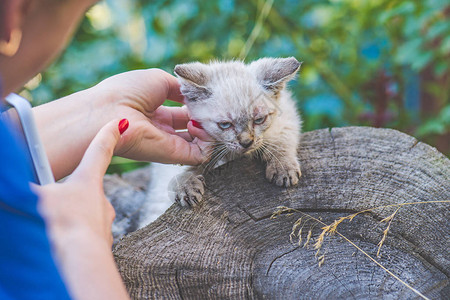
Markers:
point(259, 121)
point(224, 125)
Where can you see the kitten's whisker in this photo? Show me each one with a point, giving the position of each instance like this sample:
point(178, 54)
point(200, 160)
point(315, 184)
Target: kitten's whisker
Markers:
point(274, 157)
point(219, 154)
point(215, 151)
point(216, 148)
point(266, 154)
point(259, 153)
point(268, 149)
point(216, 157)
point(271, 144)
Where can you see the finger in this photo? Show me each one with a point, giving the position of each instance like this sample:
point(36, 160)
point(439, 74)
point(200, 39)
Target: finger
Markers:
point(157, 85)
point(189, 153)
point(175, 149)
point(175, 117)
point(173, 88)
point(169, 83)
point(198, 132)
point(99, 153)
point(185, 135)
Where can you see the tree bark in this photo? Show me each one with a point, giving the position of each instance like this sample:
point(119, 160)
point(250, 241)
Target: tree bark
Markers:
point(231, 248)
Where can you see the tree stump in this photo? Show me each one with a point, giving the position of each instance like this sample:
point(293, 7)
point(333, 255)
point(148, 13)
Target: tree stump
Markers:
point(231, 248)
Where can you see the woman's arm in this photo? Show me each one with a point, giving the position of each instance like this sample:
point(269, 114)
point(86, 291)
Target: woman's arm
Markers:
point(79, 218)
point(68, 125)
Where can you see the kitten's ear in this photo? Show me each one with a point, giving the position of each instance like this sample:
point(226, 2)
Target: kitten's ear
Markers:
point(193, 78)
point(273, 73)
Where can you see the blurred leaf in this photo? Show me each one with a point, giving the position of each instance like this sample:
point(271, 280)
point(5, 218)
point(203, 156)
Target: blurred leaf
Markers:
point(409, 51)
point(405, 8)
point(431, 127)
point(445, 46)
point(438, 125)
point(444, 115)
point(421, 61)
point(438, 29)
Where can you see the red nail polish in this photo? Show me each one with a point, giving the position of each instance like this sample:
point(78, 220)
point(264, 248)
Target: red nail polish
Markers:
point(197, 124)
point(123, 125)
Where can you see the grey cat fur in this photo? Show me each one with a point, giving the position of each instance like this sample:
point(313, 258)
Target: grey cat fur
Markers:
point(253, 101)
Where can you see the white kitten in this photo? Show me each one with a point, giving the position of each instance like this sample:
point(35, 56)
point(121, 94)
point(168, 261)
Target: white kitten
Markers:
point(248, 112)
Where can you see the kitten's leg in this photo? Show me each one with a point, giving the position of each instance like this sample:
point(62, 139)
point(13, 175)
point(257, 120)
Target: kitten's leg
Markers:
point(188, 187)
point(283, 167)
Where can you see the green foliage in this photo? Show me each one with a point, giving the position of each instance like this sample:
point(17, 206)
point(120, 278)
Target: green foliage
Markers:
point(363, 60)
point(437, 125)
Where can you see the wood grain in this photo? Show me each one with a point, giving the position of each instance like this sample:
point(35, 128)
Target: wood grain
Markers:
point(230, 248)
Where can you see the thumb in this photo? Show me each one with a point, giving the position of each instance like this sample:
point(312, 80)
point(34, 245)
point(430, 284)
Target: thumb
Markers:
point(98, 155)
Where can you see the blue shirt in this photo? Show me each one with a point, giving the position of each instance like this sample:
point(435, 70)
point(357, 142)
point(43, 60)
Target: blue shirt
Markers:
point(27, 268)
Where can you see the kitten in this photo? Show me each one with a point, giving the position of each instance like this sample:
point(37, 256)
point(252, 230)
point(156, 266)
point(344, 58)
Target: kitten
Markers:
point(247, 111)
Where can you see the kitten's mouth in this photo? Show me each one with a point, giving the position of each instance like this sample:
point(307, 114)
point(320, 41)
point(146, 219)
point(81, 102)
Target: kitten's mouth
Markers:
point(251, 149)
point(256, 145)
point(240, 150)
point(235, 149)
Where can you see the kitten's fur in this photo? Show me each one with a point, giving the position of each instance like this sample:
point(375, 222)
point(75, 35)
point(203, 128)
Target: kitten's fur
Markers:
point(243, 95)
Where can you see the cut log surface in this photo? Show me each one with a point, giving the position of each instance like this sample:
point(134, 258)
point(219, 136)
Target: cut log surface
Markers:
point(231, 248)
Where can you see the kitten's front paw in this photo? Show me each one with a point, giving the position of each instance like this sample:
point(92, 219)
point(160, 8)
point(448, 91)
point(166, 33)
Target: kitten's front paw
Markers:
point(187, 189)
point(283, 172)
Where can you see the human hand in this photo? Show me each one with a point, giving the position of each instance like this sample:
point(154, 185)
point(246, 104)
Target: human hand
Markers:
point(138, 95)
point(68, 125)
point(79, 218)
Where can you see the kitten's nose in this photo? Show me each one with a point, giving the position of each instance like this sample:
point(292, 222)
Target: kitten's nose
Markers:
point(246, 143)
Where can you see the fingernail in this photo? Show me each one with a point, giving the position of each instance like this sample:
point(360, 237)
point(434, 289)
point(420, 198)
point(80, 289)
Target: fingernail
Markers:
point(197, 124)
point(123, 125)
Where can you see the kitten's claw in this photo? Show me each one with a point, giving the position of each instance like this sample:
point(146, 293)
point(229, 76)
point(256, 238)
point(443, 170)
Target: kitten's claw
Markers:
point(187, 189)
point(274, 177)
point(284, 172)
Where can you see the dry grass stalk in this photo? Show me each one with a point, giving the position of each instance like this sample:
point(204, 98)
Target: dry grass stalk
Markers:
point(300, 236)
point(294, 228)
point(319, 242)
point(385, 232)
point(332, 229)
point(280, 210)
point(308, 238)
point(321, 259)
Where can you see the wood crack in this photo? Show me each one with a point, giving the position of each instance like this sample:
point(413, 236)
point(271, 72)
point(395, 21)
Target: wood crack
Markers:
point(178, 285)
point(414, 144)
point(248, 214)
point(330, 129)
point(424, 256)
point(278, 257)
